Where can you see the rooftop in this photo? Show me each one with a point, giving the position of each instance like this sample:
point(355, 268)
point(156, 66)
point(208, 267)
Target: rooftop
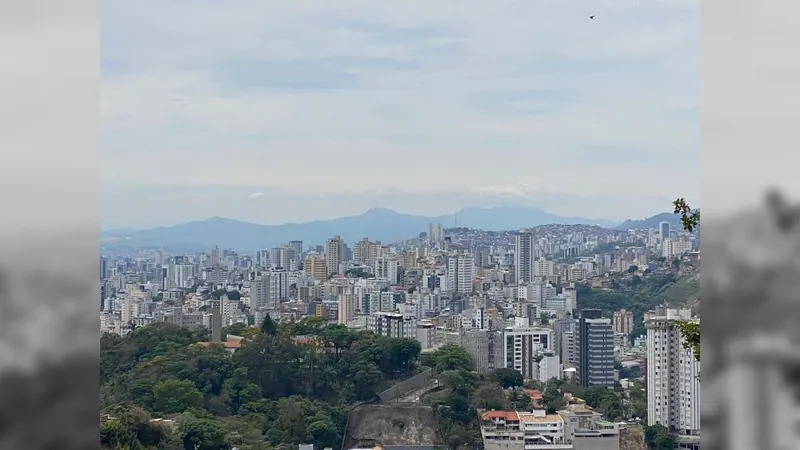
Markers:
point(540, 418)
point(508, 416)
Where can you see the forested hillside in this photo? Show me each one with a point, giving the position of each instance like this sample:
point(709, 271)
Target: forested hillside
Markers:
point(287, 384)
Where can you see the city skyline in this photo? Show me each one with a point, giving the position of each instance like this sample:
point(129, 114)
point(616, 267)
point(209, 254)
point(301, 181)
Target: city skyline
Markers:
point(290, 110)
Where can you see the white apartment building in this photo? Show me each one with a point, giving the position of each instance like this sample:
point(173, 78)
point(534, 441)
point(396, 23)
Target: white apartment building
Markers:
point(261, 294)
point(673, 374)
point(544, 268)
point(515, 430)
point(524, 257)
point(460, 273)
point(348, 305)
point(183, 275)
point(571, 295)
point(394, 325)
point(666, 248)
point(386, 268)
point(549, 366)
point(279, 285)
point(576, 273)
point(522, 346)
point(480, 320)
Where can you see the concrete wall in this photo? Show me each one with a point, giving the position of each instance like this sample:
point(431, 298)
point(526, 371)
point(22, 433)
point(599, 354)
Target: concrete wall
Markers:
point(503, 445)
point(414, 383)
point(596, 443)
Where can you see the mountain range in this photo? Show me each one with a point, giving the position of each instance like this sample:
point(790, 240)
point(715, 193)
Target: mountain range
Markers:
point(674, 221)
point(381, 224)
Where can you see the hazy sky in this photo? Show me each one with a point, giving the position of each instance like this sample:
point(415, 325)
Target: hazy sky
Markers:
point(290, 111)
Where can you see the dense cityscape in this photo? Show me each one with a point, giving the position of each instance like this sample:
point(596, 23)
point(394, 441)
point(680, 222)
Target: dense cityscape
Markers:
point(555, 337)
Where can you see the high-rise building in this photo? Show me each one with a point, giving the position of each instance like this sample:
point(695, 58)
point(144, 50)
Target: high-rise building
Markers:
point(103, 268)
point(673, 373)
point(666, 248)
point(315, 266)
point(663, 230)
point(623, 322)
point(386, 268)
point(544, 268)
point(524, 257)
point(348, 304)
point(183, 274)
point(522, 348)
point(435, 234)
point(460, 273)
point(267, 290)
point(279, 285)
point(215, 257)
point(482, 256)
point(260, 293)
point(595, 362)
point(334, 254)
point(298, 249)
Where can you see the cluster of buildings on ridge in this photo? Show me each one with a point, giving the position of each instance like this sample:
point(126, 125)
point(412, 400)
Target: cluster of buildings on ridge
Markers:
point(510, 299)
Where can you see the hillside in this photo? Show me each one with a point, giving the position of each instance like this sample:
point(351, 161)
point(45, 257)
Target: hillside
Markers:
point(381, 224)
point(652, 291)
point(674, 221)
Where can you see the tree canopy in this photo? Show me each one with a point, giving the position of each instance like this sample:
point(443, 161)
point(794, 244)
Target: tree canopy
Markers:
point(288, 383)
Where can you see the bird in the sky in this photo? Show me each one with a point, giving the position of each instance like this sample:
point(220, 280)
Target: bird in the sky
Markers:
point(591, 17)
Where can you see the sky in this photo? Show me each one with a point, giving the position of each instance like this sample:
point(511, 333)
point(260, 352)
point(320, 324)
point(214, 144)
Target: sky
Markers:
point(276, 112)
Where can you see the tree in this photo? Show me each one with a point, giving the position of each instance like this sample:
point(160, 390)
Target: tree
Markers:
point(268, 326)
point(507, 378)
point(202, 434)
point(690, 219)
point(691, 336)
point(657, 438)
point(449, 357)
point(176, 396)
point(274, 392)
point(130, 427)
point(633, 269)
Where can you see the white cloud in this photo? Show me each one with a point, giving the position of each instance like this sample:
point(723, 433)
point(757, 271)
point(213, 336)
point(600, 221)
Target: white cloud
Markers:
point(520, 189)
point(299, 93)
point(256, 195)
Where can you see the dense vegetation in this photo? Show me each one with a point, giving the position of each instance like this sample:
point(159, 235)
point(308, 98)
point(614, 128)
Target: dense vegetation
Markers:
point(287, 384)
point(642, 296)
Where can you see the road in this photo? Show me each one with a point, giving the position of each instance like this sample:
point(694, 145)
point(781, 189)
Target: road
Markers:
point(414, 396)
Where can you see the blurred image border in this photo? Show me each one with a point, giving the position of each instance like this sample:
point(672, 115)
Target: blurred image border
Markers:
point(49, 236)
point(746, 90)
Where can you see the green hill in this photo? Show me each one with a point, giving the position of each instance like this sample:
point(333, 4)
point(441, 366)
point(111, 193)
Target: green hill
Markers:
point(642, 295)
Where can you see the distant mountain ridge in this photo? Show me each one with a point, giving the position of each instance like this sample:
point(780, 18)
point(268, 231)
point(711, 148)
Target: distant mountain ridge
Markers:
point(381, 224)
point(674, 221)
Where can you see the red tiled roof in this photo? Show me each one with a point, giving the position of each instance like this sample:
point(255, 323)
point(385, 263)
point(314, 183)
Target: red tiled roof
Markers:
point(508, 416)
